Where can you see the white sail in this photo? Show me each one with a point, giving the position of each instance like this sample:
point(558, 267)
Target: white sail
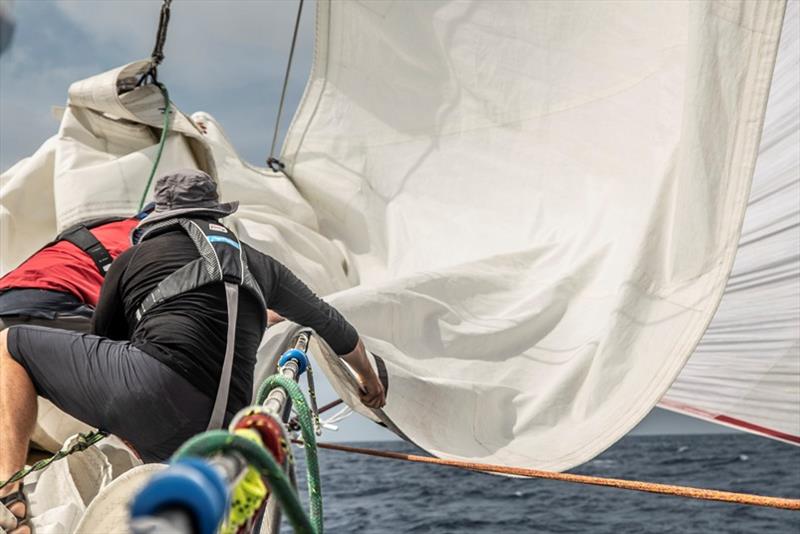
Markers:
point(529, 209)
point(542, 199)
point(745, 372)
point(540, 202)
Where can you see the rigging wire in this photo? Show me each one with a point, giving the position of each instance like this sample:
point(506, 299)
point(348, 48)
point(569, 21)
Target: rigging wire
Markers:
point(274, 163)
point(650, 487)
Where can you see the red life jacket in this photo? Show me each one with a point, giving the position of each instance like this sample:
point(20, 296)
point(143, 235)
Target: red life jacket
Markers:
point(76, 261)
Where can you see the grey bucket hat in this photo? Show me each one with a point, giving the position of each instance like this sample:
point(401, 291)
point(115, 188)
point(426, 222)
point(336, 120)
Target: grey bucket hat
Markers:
point(187, 191)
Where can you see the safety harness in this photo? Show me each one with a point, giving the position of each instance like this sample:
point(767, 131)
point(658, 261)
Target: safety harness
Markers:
point(80, 236)
point(221, 260)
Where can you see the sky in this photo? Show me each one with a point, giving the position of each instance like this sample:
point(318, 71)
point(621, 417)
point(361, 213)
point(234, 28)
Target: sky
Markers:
point(226, 57)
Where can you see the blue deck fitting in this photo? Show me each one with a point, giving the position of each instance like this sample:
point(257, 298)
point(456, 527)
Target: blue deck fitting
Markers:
point(191, 484)
point(297, 355)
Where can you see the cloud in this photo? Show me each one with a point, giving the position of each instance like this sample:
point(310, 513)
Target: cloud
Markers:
point(228, 40)
point(224, 57)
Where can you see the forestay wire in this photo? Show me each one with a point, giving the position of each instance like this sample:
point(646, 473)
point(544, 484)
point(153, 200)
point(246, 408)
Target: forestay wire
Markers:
point(274, 163)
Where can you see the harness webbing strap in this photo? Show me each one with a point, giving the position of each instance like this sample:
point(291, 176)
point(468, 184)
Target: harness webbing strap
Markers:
point(221, 402)
point(221, 260)
point(81, 237)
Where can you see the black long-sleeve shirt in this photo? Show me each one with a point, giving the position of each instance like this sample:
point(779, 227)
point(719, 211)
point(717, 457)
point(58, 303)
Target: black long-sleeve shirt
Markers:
point(188, 333)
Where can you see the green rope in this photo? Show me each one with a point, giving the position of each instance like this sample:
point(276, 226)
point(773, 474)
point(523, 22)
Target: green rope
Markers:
point(220, 441)
point(83, 442)
point(161, 143)
point(312, 400)
point(307, 429)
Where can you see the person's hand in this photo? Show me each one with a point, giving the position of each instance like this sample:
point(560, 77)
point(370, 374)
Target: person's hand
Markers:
point(372, 393)
point(274, 317)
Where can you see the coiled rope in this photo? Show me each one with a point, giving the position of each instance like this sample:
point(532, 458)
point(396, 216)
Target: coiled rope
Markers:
point(649, 487)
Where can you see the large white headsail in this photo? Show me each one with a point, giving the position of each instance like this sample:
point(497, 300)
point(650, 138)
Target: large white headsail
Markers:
point(543, 200)
point(746, 371)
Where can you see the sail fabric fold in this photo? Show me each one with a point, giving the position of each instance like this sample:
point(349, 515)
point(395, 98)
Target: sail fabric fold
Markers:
point(96, 166)
point(745, 372)
point(528, 209)
point(542, 201)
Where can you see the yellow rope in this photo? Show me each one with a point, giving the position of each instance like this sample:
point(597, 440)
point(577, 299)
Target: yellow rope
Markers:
point(666, 489)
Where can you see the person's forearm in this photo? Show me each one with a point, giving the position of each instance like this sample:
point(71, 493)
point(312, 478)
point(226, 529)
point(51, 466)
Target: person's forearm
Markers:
point(291, 298)
point(311, 311)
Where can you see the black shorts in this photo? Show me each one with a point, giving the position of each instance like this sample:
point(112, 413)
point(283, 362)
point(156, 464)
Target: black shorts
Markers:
point(114, 386)
point(75, 323)
point(42, 303)
point(42, 307)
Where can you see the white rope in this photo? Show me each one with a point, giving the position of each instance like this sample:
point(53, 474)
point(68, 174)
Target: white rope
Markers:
point(341, 415)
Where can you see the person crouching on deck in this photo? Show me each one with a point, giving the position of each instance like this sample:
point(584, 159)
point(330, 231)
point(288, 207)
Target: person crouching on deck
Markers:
point(175, 308)
point(59, 284)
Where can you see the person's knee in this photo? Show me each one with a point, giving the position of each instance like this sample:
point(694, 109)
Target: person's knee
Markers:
point(7, 359)
point(4, 353)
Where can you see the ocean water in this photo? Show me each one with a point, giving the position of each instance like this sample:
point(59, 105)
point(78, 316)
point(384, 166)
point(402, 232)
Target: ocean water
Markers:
point(365, 494)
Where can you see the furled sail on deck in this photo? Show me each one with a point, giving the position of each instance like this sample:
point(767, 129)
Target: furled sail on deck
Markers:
point(746, 371)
